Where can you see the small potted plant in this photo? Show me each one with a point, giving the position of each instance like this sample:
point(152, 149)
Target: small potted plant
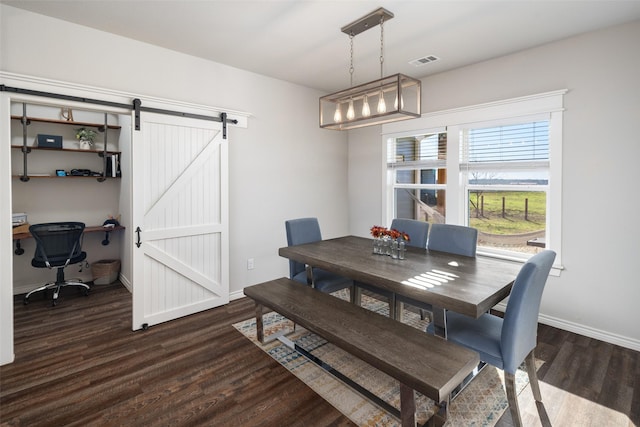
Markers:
point(86, 137)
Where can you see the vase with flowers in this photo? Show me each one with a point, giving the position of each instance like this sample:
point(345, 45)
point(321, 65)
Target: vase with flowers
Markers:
point(379, 234)
point(389, 242)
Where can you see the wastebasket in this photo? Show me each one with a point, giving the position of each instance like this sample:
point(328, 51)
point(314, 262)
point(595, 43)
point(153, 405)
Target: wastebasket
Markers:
point(105, 271)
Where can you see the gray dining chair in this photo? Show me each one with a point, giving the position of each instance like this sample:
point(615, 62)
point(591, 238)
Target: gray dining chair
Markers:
point(307, 230)
point(418, 232)
point(450, 238)
point(508, 342)
point(453, 239)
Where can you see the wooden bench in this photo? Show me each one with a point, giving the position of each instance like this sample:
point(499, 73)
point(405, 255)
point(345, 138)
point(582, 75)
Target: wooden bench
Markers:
point(419, 361)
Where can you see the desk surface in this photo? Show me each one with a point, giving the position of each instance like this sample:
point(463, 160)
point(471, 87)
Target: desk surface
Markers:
point(91, 229)
point(469, 286)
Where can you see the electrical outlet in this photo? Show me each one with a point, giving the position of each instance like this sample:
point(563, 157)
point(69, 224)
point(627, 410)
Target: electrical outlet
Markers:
point(250, 264)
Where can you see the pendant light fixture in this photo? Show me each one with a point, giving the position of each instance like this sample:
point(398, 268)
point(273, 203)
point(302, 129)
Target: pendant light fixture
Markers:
point(389, 99)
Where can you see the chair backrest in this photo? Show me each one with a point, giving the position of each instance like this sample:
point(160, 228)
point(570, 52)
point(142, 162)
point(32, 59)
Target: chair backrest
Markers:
point(520, 326)
point(57, 243)
point(417, 231)
point(454, 239)
point(301, 231)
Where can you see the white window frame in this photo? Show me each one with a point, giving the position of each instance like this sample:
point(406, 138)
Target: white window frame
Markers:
point(548, 105)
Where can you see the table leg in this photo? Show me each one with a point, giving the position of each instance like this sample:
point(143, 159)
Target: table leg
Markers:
point(260, 327)
point(309, 271)
point(393, 314)
point(259, 324)
point(439, 322)
point(407, 406)
point(439, 419)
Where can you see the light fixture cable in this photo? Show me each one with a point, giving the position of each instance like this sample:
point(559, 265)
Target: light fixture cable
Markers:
point(350, 111)
point(382, 106)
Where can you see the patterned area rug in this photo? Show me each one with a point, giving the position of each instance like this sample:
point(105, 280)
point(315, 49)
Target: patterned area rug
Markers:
point(481, 403)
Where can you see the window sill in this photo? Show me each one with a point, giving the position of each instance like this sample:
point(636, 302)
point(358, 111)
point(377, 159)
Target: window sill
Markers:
point(556, 269)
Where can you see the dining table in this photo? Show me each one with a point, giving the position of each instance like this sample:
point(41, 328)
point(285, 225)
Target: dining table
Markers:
point(466, 285)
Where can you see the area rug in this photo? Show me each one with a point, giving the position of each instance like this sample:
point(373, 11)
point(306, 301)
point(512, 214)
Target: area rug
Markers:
point(481, 403)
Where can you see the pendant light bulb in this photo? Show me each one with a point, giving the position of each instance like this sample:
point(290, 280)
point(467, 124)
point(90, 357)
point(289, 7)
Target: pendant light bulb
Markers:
point(382, 106)
point(366, 111)
point(350, 112)
point(395, 103)
point(337, 116)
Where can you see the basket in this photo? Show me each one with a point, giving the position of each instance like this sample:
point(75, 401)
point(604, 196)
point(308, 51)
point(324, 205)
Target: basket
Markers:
point(105, 271)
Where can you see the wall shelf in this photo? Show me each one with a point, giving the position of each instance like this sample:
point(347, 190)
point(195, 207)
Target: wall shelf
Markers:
point(66, 122)
point(76, 150)
point(66, 177)
point(110, 158)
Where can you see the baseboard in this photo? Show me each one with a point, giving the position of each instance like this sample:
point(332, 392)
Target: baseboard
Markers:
point(586, 331)
point(126, 282)
point(236, 295)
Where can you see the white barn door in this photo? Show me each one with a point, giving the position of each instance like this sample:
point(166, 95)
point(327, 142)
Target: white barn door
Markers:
point(180, 218)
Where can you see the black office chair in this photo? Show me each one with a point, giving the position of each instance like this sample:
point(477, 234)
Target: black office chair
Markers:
point(58, 245)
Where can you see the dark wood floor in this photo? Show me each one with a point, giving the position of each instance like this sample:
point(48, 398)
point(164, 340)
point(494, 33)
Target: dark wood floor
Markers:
point(80, 364)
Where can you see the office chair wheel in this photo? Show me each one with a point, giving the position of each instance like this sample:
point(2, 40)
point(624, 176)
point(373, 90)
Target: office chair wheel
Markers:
point(25, 301)
point(54, 302)
point(85, 292)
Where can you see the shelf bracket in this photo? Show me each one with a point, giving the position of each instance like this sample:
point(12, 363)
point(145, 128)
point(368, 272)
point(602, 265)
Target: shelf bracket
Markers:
point(25, 149)
point(19, 250)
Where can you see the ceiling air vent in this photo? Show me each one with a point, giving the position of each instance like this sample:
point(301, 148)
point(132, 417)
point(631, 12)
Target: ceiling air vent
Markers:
point(424, 60)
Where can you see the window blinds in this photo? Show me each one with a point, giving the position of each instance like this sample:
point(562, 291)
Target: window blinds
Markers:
point(510, 146)
point(424, 151)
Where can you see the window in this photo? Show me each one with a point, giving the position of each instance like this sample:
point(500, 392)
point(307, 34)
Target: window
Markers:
point(495, 167)
point(505, 175)
point(418, 166)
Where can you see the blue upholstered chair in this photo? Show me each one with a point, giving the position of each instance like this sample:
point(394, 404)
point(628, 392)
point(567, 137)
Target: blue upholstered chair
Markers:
point(418, 232)
point(453, 239)
point(506, 343)
point(307, 230)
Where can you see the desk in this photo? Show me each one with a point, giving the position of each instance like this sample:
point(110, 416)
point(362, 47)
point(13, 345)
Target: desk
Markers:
point(469, 286)
point(92, 229)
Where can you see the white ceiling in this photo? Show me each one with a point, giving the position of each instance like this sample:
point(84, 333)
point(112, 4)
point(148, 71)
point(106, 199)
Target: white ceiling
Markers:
point(301, 42)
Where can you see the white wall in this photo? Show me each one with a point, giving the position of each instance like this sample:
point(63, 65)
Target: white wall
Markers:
point(282, 166)
point(598, 293)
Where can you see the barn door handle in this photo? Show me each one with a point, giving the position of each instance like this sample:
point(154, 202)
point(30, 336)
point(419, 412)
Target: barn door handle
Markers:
point(138, 243)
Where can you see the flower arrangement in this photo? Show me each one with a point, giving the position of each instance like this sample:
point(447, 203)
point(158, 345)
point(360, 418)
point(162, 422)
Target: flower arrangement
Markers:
point(378, 231)
point(84, 134)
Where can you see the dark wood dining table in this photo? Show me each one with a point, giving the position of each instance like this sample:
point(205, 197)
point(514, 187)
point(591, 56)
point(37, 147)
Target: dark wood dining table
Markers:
point(466, 285)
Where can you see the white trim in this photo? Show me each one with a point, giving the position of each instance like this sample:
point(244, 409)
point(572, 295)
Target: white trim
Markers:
point(586, 331)
point(594, 333)
point(6, 249)
point(74, 89)
point(541, 103)
point(126, 283)
point(236, 295)
point(542, 106)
